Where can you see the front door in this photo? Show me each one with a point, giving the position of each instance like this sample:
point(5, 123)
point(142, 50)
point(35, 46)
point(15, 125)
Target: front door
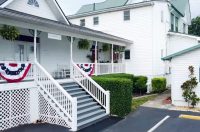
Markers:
point(25, 52)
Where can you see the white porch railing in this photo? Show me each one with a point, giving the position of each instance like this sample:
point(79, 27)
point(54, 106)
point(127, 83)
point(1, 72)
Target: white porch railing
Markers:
point(58, 95)
point(104, 68)
point(30, 74)
point(94, 89)
point(119, 68)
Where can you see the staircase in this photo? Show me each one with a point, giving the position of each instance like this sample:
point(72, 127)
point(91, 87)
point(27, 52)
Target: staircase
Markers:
point(88, 111)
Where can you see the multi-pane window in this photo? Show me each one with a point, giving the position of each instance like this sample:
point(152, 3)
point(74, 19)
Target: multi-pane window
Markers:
point(162, 16)
point(176, 24)
point(82, 22)
point(172, 22)
point(96, 20)
point(126, 15)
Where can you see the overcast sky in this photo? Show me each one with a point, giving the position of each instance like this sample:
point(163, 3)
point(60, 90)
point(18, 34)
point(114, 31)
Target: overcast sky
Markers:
point(71, 6)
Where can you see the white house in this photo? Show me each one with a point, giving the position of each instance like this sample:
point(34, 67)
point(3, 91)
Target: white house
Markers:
point(55, 89)
point(179, 62)
point(153, 25)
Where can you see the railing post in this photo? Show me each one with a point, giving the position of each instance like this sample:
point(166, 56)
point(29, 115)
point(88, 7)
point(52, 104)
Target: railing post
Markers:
point(74, 115)
point(107, 102)
point(112, 61)
point(96, 59)
point(35, 55)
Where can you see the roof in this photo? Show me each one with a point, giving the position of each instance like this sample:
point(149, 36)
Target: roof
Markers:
point(181, 52)
point(101, 5)
point(184, 35)
point(2, 1)
point(23, 17)
point(109, 4)
point(180, 6)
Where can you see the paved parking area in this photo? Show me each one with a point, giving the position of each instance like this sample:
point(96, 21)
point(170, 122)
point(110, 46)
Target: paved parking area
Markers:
point(140, 121)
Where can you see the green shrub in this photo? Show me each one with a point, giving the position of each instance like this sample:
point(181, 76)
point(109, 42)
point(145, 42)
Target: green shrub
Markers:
point(120, 94)
point(140, 84)
point(159, 84)
point(120, 75)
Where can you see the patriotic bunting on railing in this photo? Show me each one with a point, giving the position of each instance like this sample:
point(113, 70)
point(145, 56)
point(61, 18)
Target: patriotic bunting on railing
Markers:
point(14, 72)
point(87, 68)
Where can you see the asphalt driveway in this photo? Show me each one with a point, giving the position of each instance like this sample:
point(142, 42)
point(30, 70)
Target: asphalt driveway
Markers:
point(140, 121)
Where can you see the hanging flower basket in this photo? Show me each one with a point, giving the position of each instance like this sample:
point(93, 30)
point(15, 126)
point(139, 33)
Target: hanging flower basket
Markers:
point(84, 44)
point(9, 32)
point(105, 47)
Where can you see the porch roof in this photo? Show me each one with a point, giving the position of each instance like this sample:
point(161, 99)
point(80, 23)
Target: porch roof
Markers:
point(23, 17)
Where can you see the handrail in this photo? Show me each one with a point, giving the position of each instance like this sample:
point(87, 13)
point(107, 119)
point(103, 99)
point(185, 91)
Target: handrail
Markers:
point(95, 90)
point(60, 97)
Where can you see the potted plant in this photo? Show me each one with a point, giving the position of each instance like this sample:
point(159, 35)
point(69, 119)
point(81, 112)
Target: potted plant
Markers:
point(9, 32)
point(83, 44)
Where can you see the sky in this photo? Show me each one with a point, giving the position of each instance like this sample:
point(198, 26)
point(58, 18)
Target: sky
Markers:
point(71, 6)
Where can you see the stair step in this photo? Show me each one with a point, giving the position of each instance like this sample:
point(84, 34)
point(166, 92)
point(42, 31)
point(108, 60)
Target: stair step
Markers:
point(80, 125)
point(91, 104)
point(70, 86)
point(83, 97)
point(73, 89)
point(85, 100)
point(88, 115)
point(89, 110)
point(78, 93)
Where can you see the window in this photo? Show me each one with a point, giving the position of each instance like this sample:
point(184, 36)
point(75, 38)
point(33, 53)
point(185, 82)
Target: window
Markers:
point(96, 20)
point(172, 22)
point(33, 2)
point(162, 16)
point(127, 54)
point(162, 53)
point(184, 28)
point(176, 24)
point(82, 22)
point(126, 15)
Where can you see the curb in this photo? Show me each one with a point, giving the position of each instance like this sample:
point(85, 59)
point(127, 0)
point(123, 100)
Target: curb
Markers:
point(191, 117)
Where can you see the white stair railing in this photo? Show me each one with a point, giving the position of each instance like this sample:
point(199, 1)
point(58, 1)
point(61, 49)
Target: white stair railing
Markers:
point(94, 89)
point(58, 95)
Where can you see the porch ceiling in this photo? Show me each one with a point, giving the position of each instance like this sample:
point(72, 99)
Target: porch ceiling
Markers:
point(30, 19)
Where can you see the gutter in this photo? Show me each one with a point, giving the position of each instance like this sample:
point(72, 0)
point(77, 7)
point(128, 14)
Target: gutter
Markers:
point(131, 6)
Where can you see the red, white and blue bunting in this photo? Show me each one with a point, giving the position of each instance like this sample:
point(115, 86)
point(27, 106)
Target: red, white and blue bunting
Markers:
point(87, 68)
point(14, 72)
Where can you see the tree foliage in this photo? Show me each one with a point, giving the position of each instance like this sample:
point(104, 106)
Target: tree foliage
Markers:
point(194, 28)
point(188, 89)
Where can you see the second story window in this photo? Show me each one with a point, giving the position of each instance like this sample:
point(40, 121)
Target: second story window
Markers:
point(176, 24)
point(96, 20)
point(127, 15)
point(172, 22)
point(82, 22)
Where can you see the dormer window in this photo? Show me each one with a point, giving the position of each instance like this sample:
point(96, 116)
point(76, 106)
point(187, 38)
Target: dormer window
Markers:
point(82, 22)
point(33, 3)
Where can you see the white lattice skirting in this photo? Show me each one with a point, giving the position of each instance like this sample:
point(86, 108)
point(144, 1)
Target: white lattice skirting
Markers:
point(25, 106)
point(14, 108)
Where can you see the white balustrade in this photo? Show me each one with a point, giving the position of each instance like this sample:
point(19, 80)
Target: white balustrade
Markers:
point(119, 68)
point(104, 68)
point(94, 89)
point(58, 95)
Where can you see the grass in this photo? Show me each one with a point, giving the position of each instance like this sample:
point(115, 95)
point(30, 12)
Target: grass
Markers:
point(138, 102)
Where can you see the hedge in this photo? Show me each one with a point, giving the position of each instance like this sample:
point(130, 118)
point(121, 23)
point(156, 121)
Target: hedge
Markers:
point(120, 94)
point(140, 84)
point(119, 75)
point(158, 85)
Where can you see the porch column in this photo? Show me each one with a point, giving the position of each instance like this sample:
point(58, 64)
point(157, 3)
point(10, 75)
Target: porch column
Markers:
point(96, 59)
point(112, 59)
point(71, 56)
point(35, 45)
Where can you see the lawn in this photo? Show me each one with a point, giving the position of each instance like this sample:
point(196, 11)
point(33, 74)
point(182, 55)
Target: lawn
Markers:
point(138, 102)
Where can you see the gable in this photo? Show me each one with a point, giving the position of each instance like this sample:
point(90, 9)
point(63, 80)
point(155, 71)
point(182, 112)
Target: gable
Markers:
point(42, 11)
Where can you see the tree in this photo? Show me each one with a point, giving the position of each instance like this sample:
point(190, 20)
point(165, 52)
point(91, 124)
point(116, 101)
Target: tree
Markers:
point(188, 87)
point(194, 28)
